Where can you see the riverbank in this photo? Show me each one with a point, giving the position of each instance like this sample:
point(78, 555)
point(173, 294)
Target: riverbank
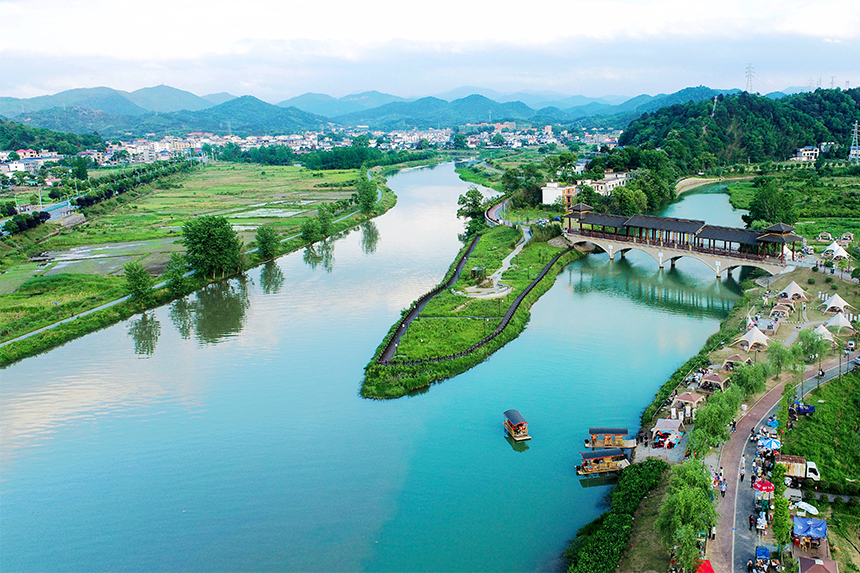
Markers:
point(45, 335)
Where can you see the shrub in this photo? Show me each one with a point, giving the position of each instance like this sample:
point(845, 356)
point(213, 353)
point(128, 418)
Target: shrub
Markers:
point(815, 270)
point(811, 281)
point(828, 279)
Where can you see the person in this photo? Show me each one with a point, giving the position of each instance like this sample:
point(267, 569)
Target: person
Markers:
point(723, 488)
point(752, 521)
point(743, 472)
point(714, 532)
point(749, 566)
point(752, 481)
point(734, 426)
point(752, 434)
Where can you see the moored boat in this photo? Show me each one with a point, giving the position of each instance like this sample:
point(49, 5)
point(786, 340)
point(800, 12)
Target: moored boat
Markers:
point(602, 461)
point(609, 438)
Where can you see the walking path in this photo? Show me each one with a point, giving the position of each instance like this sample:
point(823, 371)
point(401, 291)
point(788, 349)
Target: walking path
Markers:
point(734, 545)
point(499, 289)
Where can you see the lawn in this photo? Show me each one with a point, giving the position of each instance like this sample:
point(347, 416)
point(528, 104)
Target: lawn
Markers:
point(831, 436)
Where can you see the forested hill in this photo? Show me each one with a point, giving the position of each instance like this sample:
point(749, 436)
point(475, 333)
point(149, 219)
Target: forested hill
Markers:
point(747, 127)
point(18, 136)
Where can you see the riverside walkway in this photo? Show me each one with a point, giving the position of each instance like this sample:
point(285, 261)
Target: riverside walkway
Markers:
point(734, 545)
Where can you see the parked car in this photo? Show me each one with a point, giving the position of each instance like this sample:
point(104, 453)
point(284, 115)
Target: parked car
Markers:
point(850, 346)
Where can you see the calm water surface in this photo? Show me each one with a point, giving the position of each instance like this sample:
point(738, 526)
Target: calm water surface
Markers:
point(225, 432)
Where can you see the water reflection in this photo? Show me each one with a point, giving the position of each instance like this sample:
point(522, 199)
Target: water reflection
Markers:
point(669, 290)
point(369, 237)
point(216, 312)
point(271, 278)
point(321, 253)
point(517, 446)
point(145, 332)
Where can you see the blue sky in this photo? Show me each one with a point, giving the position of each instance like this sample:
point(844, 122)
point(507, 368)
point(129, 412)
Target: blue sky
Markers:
point(275, 50)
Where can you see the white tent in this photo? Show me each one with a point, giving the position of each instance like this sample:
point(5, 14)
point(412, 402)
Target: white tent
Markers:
point(831, 247)
point(839, 253)
point(835, 304)
point(823, 333)
point(752, 337)
point(793, 292)
point(839, 321)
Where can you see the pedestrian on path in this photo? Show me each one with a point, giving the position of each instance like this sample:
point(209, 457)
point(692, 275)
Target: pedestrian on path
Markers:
point(752, 521)
point(752, 481)
point(723, 489)
point(743, 472)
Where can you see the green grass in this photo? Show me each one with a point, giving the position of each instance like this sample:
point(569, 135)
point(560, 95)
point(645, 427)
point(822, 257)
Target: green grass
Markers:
point(831, 436)
point(43, 300)
point(740, 194)
point(434, 337)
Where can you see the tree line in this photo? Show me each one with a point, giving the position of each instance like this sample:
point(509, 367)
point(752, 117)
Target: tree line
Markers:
point(355, 156)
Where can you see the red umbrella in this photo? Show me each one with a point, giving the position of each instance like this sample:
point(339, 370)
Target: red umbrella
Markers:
point(705, 567)
point(764, 486)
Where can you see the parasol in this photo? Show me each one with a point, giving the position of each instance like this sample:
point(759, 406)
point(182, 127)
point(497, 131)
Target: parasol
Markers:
point(770, 444)
point(764, 486)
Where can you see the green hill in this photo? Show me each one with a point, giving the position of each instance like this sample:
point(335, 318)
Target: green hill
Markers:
point(18, 136)
point(748, 127)
point(166, 99)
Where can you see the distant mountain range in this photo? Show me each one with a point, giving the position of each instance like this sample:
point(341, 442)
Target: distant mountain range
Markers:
point(166, 110)
point(245, 115)
point(160, 99)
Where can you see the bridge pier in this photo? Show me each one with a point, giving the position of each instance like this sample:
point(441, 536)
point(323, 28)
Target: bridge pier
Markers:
point(719, 272)
point(660, 259)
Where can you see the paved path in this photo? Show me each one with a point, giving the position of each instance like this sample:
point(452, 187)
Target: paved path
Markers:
point(734, 545)
point(499, 289)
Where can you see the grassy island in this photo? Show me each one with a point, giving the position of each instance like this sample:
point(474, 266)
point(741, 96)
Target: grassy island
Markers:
point(452, 322)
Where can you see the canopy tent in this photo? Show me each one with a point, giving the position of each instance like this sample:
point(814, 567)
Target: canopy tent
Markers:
point(667, 426)
point(810, 527)
point(831, 247)
point(813, 565)
point(836, 253)
point(793, 292)
point(839, 321)
point(803, 506)
point(690, 398)
point(753, 337)
point(790, 303)
point(705, 567)
point(823, 332)
point(770, 444)
point(734, 361)
point(762, 552)
point(780, 310)
point(835, 304)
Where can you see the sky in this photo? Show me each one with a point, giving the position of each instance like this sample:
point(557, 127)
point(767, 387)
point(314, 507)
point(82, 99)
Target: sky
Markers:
point(277, 50)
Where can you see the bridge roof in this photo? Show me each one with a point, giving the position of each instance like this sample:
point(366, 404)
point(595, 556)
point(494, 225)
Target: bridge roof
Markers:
point(730, 234)
point(665, 224)
point(604, 220)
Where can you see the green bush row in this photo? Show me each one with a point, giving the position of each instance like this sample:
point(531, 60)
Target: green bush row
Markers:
point(598, 546)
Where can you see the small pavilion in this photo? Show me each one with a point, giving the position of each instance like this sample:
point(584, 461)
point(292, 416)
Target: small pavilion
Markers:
point(754, 339)
point(834, 304)
point(735, 360)
point(793, 291)
point(839, 321)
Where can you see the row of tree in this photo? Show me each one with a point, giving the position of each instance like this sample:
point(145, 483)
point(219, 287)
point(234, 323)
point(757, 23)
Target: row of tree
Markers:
point(107, 187)
point(24, 221)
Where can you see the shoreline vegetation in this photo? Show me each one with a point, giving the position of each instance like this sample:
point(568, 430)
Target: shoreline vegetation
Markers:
point(88, 321)
point(453, 332)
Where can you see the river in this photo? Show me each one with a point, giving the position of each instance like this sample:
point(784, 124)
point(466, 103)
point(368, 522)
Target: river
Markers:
point(225, 432)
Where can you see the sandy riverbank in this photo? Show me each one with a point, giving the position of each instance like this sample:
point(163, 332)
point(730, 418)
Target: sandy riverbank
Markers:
point(692, 182)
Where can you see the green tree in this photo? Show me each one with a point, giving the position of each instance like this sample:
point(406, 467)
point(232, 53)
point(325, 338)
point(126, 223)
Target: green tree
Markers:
point(311, 230)
point(267, 242)
point(686, 505)
point(324, 218)
point(212, 246)
point(360, 141)
point(145, 332)
point(472, 209)
point(366, 194)
point(771, 204)
point(498, 139)
point(137, 281)
point(13, 156)
point(174, 274)
point(79, 169)
point(459, 141)
point(779, 357)
point(687, 552)
point(628, 201)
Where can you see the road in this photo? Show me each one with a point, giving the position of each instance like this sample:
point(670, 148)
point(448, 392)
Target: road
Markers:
point(734, 545)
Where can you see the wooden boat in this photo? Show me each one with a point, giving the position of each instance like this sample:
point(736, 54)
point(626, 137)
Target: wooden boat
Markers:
point(516, 426)
point(599, 462)
point(609, 438)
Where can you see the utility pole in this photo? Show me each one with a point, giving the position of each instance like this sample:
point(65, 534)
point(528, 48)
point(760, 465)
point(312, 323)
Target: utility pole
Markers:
point(832, 82)
point(750, 74)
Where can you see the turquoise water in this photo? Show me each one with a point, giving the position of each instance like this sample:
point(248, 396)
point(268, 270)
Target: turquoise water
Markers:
point(225, 432)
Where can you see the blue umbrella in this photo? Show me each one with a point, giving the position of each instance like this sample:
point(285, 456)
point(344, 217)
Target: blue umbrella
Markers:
point(770, 444)
point(773, 423)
